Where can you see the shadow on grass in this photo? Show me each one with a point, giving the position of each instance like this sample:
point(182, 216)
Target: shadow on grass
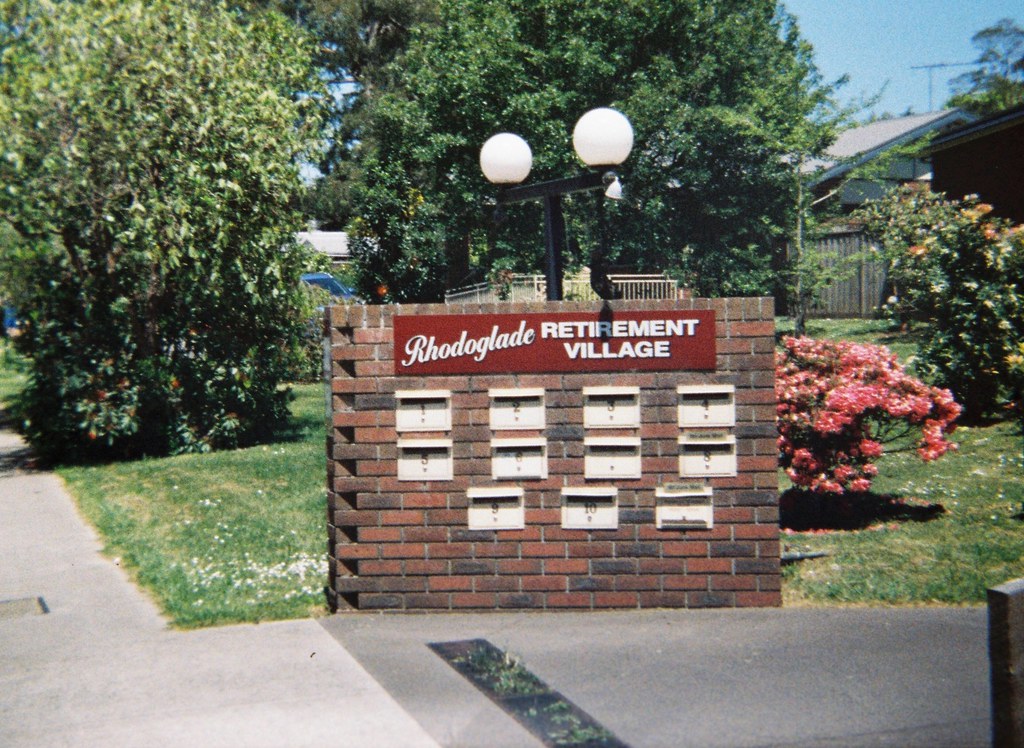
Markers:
point(305, 423)
point(306, 420)
point(802, 511)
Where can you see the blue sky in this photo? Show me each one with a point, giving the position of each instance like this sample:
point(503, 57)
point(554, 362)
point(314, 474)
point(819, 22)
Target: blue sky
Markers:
point(874, 41)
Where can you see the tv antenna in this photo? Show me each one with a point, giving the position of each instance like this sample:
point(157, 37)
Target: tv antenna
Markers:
point(931, 70)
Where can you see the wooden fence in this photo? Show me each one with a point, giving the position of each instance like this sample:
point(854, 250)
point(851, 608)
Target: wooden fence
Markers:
point(862, 293)
point(857, 295)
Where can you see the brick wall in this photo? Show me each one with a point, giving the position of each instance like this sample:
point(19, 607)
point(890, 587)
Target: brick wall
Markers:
point(400, 545)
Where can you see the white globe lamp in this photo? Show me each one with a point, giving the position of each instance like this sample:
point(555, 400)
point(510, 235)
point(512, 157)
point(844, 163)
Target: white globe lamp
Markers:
point(603, 137)
point(506, 159)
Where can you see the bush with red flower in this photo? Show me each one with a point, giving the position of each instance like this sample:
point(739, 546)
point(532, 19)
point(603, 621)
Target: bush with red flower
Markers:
point(839, 403)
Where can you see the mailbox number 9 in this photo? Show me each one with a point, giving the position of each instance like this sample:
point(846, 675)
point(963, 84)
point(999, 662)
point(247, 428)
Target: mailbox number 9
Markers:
point(515, 409)
point(494, 509)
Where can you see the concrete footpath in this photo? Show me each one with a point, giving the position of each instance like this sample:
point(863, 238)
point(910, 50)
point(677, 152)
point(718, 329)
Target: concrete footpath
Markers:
point(102, 668)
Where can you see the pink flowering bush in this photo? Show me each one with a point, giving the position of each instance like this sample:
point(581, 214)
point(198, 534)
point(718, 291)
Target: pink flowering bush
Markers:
point(840, 402)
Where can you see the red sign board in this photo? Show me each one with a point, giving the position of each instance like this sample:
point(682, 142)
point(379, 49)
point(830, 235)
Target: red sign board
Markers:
point(556, 342)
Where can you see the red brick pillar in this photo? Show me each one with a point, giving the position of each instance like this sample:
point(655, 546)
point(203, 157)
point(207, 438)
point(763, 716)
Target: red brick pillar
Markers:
point(406, 544)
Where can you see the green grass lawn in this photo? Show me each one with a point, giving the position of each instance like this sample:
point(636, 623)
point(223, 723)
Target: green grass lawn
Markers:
point(978, 542)
point(225, 537)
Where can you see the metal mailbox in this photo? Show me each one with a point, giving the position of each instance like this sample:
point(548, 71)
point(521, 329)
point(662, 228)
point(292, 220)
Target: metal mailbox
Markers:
point(684, 506)
point(423, 410)
point(707, 454)
point(590, 508)
point(706, 405)
point(425, 459)
point(517, 409)
point(611, 407)
point(519, 459)
point(496, 509)
point(611, 457)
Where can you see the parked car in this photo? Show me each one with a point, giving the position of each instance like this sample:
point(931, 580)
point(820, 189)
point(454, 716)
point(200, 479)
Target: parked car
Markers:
point(333, 286)
point(11, 322)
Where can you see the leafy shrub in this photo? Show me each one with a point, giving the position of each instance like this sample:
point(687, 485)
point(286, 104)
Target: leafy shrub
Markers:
point(150, 166)
point(956, 269)
point(839, 403)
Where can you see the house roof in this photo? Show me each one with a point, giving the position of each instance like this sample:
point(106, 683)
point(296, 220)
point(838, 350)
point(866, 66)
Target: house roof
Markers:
point(334, 244)
point(858, 145)
point(978, 129)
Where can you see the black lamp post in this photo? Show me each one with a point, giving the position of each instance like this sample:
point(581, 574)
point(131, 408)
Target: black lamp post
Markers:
point(602, 139)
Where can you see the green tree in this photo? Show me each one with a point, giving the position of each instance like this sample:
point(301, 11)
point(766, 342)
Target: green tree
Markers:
point(716, 91)
point(357, 39)
point(151, 155)
point(997, 83)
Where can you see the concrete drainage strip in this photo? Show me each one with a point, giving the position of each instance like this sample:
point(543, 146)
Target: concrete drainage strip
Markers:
point(22, 607)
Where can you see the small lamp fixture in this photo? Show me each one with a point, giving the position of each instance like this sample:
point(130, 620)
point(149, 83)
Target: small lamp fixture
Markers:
point(613, 189)
point(506, 159)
